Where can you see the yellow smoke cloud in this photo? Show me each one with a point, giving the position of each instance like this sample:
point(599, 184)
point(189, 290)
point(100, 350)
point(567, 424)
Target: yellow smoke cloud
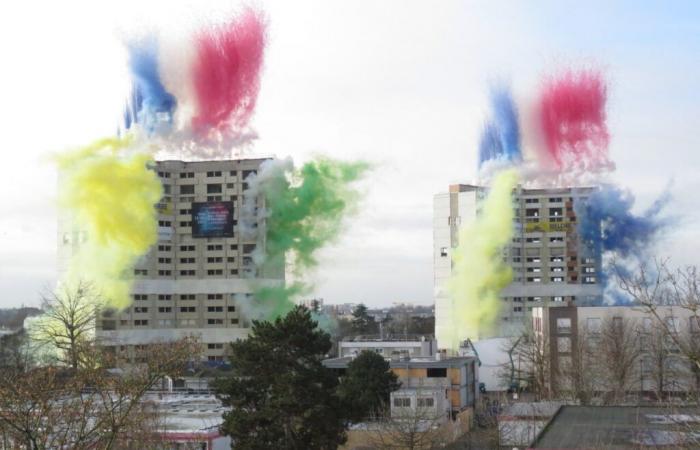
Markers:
point(478, 270)
point(109, 194)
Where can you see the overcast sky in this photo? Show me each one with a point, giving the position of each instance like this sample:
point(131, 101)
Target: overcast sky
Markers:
point(400, 83)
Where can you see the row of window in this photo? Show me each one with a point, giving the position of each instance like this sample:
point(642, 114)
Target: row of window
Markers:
point(186, 296)
point(551, 200)
point(405, 402)
point(183, 309)
point(186, 272)
point(210, 174)
point(168, 322)
point(190, 260)
point(557, 298)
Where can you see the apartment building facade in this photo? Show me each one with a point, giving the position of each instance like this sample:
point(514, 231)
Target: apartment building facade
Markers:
point(660, 365)
point(550, 263)
point(194, 279)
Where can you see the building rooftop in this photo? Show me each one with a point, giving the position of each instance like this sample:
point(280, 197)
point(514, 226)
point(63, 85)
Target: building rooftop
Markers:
point(618, 427)
point(188, 413)
point(375, 338)
point(415, 362)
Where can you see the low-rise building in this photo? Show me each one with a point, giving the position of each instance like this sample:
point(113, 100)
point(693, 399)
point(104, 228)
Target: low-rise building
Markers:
point(413, 346)
point(655, 342)
point(445, 386)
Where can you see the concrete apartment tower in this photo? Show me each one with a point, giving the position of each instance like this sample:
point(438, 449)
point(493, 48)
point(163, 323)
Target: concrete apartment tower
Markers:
point(193, 279)
point(550, 264)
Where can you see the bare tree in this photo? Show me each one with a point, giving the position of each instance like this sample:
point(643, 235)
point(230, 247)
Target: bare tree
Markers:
point(618, 358)
point(68, 322)
point(89, 407)
point(531, 363)
point(583, 374)
point(411, 428)
point(657, 284)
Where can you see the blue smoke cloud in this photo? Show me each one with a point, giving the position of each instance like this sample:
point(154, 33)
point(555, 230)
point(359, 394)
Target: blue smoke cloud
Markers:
point(150, 105)
point(608, 227)
point(500, 139)
point(607, 224)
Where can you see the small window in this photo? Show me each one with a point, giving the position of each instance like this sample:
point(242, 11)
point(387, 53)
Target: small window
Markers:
point(594, 325)
point(215, 321)
point(426, 402)
point(188, 309)
point(437, 372)
point(557, 279)
point(402, 402)
point(214, 189)
point(563, 325)
point(673, 324)
point(215, 309)
point(187, 189)
point(165, 309)
point(443, 252)
point(215, 296)
point(231, 309)
point(564, 344)
point(215, 346)
point(695, 324)
point(140, 323)
point(165, 296)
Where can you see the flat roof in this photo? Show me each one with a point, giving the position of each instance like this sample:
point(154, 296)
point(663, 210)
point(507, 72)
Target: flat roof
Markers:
point(618, 427)
point(417, 362)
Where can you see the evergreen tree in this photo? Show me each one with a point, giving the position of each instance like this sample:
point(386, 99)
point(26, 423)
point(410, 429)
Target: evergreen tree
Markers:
point(362, 322)
point(280, 394)
point(367, 385)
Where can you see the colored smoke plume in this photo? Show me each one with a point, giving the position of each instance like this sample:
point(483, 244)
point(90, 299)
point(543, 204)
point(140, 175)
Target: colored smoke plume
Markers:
point(226, 76)
point(479, 273)
point(109, 193)
point(607, 223)
point(500, 139)
point(304, 211)
point(572, 117)
point(151, 105)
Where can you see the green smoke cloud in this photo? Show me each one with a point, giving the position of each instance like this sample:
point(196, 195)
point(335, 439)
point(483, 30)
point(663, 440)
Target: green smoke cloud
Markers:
point(303, 211)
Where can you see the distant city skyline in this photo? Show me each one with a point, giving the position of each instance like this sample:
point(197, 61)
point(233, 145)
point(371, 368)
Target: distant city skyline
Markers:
point(402, 84)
